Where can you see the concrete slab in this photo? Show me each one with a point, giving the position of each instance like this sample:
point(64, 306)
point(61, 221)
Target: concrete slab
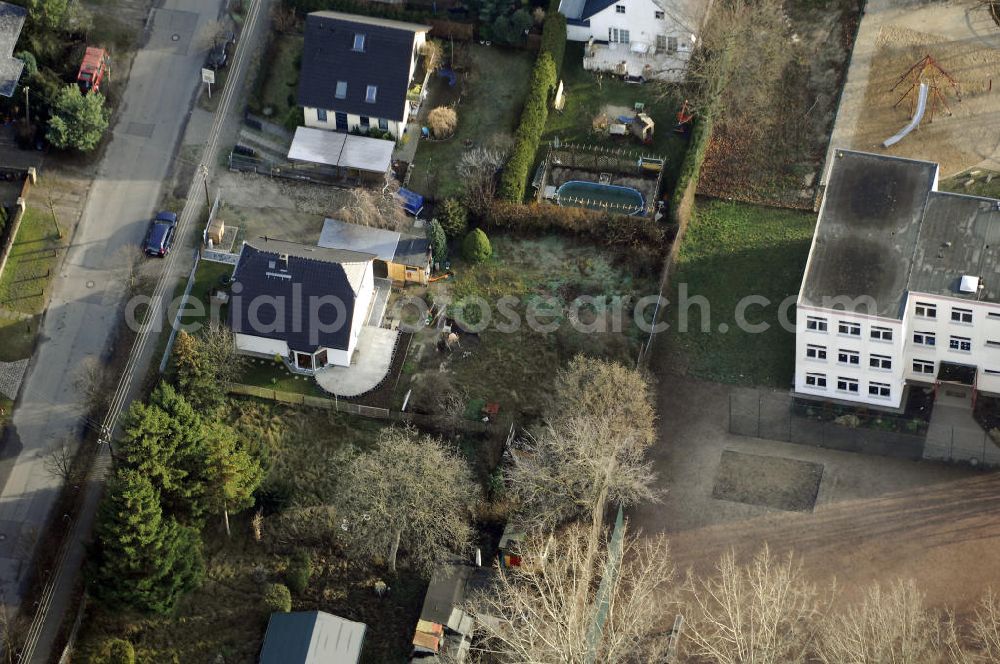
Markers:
point(369, 367)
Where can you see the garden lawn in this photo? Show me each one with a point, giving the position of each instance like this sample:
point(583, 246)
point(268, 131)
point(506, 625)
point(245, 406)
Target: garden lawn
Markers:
point(207, 279)
point(281, 77)
point(731, 251)
point(587, 93)
point(275, 376)
point(33, 259)
point(514, 368)
point(493, 94)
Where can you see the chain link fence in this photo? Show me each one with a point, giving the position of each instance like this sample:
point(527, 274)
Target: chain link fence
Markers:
point(781, 417)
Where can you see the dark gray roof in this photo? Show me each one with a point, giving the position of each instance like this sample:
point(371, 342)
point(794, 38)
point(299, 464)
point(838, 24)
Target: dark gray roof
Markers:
point(450, 585)
point(311, 637)
point(292, 274)
point(884, 231)
point(328, 56)
point(11, 22)
point(867, 230)
point(412, 250)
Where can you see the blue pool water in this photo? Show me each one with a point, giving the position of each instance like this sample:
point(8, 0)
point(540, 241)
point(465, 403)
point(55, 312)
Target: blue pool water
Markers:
point(597, 196)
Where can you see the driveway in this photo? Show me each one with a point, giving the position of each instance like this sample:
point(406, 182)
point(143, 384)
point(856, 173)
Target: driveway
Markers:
point(875, 518)
point(84, 306)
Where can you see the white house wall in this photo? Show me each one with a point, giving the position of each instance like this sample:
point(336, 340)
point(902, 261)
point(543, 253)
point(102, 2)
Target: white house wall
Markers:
point(362, 304)
point(246, 343)
point(639, 19)
point(353, 121)
point(863, 344)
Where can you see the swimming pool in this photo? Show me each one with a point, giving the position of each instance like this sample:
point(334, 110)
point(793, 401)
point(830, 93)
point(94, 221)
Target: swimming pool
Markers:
point(597, 196)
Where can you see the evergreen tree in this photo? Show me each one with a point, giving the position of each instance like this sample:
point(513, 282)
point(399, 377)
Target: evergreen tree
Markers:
point(233, 473)
point(78, 121)
point(164, 440)
point(143, 560)
point(195, 377)
point(439, 243)
point(476, 247)
point(454, 218)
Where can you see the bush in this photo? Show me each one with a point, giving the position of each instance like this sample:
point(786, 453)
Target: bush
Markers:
point(554, 38)
point(299, 572)
point(443, 121)
point(687, 182)
point(277, 598)
point(116, 651)
point(454, 218)
point(476, 247)
point(514, 179)
point(613, 229)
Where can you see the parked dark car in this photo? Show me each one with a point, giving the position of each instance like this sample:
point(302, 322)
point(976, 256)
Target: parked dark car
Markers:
point(160, 235)
point(218, 57)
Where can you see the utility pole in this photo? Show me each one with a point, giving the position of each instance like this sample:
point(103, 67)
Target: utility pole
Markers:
point(208, 197)
point(27, 106)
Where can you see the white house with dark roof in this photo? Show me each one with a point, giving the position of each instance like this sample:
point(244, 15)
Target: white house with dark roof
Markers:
point(651, 39)
point(901, 288)
point(11, 21)
point(357, 70)
point(303, 303)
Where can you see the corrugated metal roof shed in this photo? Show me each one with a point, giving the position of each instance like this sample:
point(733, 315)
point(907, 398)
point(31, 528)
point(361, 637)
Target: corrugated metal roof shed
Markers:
point(312, 637)
point(318, 146)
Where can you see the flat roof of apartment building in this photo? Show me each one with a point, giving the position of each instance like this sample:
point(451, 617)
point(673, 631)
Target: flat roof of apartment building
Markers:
point(884, 231)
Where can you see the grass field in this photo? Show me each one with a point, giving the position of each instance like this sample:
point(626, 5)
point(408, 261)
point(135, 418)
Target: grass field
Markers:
point(207, 279)
point(732, 251)
point(277, 90)
point(513, 364)
point(34, 256)
point(267, 373)
point(586, 95)
point(492, 94)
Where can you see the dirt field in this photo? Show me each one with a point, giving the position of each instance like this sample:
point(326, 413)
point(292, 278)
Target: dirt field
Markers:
point(772, 153)
point(894, 35)
point(875, 518)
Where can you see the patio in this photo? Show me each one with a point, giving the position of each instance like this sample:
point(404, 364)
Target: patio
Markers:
point(369, 366)
point(635, 60)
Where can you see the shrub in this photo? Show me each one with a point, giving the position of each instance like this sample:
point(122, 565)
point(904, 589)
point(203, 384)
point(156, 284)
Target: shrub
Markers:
point(78, 122)
point(277, 598)
point(687, 182)
point(620, 230)
point(117, 651)
point(443, 121)
point(438, 240)
point(299, 572)
point(554, 38)
point(476, 247)
point(454, 218)
point(536, 109)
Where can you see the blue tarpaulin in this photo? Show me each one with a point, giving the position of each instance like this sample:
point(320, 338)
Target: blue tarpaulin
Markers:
point(412, 201)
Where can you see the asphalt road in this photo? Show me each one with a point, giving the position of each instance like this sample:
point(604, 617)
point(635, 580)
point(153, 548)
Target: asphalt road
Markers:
point(84, 305)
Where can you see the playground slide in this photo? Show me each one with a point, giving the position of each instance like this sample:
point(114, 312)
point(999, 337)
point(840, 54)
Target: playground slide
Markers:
point(921, 107)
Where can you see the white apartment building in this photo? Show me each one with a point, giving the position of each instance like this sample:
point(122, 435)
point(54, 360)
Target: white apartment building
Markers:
point(901, 288)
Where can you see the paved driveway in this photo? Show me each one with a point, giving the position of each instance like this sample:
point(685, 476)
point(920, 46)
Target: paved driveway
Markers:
point(84, 305)
point(875, 517)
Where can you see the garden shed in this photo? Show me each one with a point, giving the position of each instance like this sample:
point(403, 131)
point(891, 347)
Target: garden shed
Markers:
point(405, 259)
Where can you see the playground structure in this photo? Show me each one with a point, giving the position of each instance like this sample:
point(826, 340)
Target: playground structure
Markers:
point(926, 73)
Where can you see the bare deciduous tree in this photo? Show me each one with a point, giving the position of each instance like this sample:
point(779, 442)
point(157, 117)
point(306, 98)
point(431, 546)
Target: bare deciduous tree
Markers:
point(533, 614)
point(410, 493)
point(985, 630)
point(372, 208)
point(889, 626)
point(592, 450)
point(478, 168)
point(763, 612)
point(59, 460)
point(92, 380)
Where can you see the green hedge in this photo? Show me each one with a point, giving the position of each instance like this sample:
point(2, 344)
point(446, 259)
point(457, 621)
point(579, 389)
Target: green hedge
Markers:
point(554, 38)
point(687, 181)
point(363, 7)
point(514, 179)
point(620, 230)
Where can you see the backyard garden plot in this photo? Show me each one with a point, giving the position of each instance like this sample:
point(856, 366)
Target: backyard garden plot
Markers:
point(770, 150)
point(732, 251)
point(594, 101)
point(274, 95)
point(488, 96)
point(512, 365)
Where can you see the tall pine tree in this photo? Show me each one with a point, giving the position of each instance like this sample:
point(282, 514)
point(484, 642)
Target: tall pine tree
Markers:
point(233, 473)
point(164, 440)
point(142, 560)
point(195, 377)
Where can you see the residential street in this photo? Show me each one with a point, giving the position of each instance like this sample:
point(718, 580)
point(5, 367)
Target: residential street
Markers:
point(83, 310)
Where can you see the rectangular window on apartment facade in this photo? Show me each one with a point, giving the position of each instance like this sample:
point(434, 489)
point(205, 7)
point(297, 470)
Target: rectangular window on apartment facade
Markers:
point(992, 372)
point(815, 352)
point(816, 324)
point(923, 366)
point(962, 344)
point(879, 361)
point(881, 390)
point(926, 310)
point(924, 338)
point(847, 384)
point(847, 327)
point(881, 333)
point(848, 357)
point(816, 380)
point(961, 315)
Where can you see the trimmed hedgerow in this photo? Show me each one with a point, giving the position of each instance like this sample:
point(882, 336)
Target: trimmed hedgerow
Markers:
point(514, 179)
point(687, 181)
